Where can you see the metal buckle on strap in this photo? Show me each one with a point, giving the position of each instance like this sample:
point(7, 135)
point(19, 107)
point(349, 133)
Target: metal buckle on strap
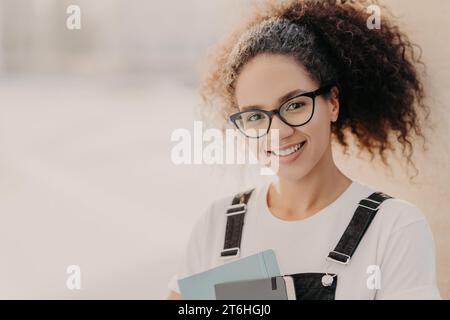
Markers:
point(241, 206)
point(340, 254)
point(238, 251)
point(377, 203)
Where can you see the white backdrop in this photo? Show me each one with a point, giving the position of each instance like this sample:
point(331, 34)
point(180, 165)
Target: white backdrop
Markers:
point(85, 124)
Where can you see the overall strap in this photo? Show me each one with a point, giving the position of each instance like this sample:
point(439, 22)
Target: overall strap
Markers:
point(235, 223)
point(363, 216)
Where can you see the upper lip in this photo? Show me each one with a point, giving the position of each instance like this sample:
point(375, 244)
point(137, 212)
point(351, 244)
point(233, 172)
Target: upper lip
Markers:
point(287, 146)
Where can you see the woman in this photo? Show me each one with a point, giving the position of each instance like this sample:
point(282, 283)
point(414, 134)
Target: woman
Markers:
point(313, 71)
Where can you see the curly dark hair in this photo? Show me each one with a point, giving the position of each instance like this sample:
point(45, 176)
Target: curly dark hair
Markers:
point(381, 93)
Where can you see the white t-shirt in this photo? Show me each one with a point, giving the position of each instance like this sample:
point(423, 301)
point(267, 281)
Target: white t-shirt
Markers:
point(398, 242)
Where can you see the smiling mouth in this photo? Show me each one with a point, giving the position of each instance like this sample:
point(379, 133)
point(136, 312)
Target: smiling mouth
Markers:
point(287, 151)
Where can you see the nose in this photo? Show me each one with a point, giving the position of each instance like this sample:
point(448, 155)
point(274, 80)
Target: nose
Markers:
point(284, 129)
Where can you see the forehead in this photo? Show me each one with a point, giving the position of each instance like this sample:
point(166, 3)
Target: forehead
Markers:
point(267, 77)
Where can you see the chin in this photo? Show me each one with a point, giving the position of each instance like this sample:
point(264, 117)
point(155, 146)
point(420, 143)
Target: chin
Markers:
point(292, 172)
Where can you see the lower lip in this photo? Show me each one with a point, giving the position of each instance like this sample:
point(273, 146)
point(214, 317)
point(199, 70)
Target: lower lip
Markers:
point(290, 157)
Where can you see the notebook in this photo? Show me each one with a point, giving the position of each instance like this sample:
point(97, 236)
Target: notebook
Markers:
point(200, 286)
point(275, 288)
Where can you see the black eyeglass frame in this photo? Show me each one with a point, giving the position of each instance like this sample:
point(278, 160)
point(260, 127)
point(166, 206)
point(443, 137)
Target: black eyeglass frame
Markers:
point(313, 94)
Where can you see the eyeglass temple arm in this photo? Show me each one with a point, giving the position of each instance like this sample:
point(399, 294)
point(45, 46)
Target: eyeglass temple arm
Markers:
point(324, 89)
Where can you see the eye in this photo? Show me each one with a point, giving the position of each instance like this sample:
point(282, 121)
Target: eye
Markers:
point(294, 106)
point(255, 117)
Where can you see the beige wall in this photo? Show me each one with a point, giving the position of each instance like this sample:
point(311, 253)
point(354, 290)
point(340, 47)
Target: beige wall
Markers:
point(85, 171)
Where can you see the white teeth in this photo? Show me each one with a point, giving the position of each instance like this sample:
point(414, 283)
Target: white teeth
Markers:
point(285, 152)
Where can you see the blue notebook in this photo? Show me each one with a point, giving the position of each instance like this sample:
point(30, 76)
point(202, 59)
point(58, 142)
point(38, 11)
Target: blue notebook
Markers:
point(200, 286)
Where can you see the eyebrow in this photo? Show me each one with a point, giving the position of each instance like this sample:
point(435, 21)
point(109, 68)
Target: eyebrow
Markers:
point(281, 100)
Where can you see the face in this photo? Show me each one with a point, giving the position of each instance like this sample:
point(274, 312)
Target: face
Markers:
point(260, 84)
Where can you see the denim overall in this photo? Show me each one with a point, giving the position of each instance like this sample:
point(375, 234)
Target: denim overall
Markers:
point(314, 285)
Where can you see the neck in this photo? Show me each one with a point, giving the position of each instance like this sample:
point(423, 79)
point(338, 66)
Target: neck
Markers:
point(299, 199)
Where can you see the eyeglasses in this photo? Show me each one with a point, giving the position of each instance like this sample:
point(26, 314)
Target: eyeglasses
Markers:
point(295, 112)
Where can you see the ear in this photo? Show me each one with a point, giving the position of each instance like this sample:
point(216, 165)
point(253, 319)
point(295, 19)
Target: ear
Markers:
point(334, 104)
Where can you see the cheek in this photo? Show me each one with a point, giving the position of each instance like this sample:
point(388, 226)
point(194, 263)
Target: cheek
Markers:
point(257, 147)
point(319, 130)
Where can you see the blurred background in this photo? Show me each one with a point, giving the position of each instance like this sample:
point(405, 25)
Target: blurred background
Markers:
point(86, 118)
